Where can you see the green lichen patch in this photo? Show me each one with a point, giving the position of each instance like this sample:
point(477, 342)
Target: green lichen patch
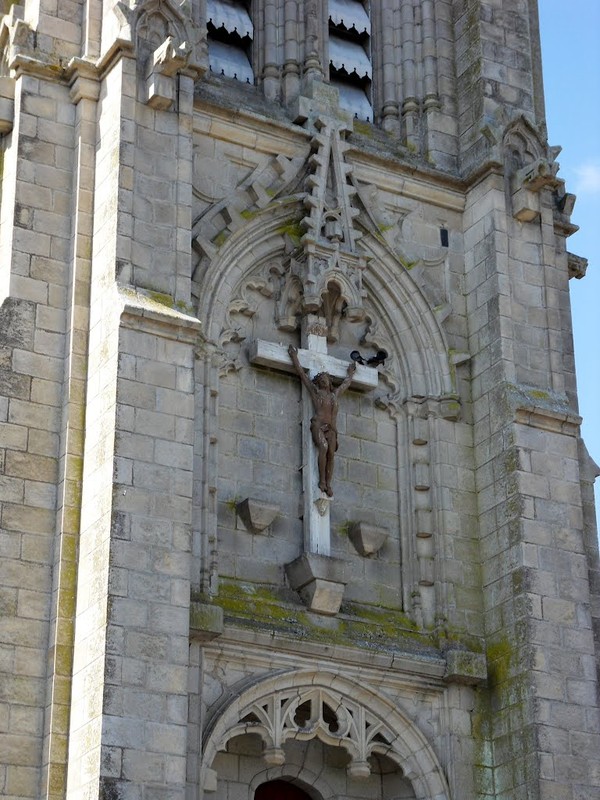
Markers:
point(277, 610)
point(293, 230)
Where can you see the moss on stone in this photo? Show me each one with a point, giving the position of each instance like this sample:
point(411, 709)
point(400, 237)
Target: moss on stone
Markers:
point(363, 127)
point(220, 238)
point(162, 298)
point(293, 230)
point(272, 609)
point(539, 394)
point(500, 657)
point(481, 732)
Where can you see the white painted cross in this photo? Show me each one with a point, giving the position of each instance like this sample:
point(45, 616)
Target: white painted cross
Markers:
point(314, 358)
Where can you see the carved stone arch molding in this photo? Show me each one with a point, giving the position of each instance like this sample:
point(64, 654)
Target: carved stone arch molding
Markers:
point(305, 705)
point(521, 138)
point(158, 19)
point(418, 340)
point(419, 346)
point(261, 238)
point(416, 385)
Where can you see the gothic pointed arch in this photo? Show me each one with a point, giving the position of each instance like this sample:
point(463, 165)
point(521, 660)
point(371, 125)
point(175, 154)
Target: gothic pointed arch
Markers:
point(304, 705)
point(400, 305)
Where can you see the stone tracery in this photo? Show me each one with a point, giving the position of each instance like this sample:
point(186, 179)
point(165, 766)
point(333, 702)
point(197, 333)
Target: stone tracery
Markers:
point(302, 706)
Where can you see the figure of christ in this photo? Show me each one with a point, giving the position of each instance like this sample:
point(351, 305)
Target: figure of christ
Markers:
point(323, 425)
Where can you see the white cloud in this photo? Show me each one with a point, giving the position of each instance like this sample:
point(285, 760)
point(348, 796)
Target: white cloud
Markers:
point(588, 178)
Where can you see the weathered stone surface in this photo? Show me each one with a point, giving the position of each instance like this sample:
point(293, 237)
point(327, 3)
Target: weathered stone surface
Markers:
point(367, 539)
point(466, 668)
point(206, 621)
point(320, 581)
point(166, 234)
point(255, 515)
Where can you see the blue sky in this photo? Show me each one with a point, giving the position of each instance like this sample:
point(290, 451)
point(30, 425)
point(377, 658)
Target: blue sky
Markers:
point(570, 35)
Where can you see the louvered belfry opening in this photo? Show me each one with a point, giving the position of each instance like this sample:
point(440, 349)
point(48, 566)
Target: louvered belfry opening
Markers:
point(350, 68)
point(230, 35)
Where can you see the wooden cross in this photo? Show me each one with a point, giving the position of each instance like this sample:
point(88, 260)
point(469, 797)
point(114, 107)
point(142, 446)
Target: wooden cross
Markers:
point(314, 358)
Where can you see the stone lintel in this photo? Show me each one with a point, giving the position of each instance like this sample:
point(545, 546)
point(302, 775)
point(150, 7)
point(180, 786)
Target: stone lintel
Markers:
point(420, 671)
point(319, 580)
point(206, 621)
point(465, 667)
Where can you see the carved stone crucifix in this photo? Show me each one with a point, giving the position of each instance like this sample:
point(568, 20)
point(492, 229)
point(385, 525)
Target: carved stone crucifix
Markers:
point(313, 358)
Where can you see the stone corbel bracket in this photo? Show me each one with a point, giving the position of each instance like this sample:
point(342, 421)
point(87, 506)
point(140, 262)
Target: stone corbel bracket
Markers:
point(163, 66)
point(256, 515)
point(526, 185)
point(577, 266)
point(206, 621)
point(465, 667)
point(320, 582)
point(367, 539)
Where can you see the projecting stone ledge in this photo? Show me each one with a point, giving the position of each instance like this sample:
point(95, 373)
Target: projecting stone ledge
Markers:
point(463, 666)
point(206, 621)
point(320, 582)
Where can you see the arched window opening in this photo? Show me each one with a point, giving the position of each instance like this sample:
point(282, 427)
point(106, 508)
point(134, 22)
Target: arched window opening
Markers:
point(350, 55)
point(230, 33)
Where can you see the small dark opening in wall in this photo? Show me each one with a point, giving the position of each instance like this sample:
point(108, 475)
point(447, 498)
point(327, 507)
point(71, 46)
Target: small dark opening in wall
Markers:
point(444, 239)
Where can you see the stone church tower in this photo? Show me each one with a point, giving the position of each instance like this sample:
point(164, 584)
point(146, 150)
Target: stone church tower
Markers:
point(195, 195)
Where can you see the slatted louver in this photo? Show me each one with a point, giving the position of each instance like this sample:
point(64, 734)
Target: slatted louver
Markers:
point(349, 55)
point(230, 35)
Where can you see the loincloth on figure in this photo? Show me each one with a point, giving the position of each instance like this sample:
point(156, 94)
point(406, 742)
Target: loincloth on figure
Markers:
point(323, 433)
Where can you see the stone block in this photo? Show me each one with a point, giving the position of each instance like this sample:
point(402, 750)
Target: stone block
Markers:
point(319, 580)
point(210, 780)
point(367, 539)
point(256, 515)
point(465, 667)
point(206, 621)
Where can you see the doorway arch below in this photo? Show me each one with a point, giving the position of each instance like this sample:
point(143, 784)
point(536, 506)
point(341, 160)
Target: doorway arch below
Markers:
point(280, 790)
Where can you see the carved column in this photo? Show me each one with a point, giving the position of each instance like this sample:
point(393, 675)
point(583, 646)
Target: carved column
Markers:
point(389, 109)
point(313, 64)
point(270, 72)
point(291, 65)
point(429, 55)
point(410, 105)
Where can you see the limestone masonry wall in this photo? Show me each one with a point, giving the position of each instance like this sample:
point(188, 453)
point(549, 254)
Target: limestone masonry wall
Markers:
point(189, 606)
